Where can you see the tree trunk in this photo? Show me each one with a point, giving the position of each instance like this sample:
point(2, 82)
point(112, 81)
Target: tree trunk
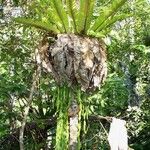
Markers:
point(73, 125)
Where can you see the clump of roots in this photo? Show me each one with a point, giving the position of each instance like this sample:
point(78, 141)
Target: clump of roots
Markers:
point(73, 59)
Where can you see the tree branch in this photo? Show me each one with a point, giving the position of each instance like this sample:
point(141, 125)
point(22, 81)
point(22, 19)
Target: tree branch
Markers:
point(35, 78)
point(96, 118)
point(13, 139)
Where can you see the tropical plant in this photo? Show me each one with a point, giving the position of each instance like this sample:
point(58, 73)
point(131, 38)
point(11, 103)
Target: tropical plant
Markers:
point(73, 51)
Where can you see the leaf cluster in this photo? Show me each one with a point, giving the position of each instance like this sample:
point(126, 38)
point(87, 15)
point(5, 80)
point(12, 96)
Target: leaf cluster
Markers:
point(70, 16)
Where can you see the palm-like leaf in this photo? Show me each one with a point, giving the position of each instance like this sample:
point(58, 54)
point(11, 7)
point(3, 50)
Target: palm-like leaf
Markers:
point(61, 12)
point(107, 25)
point(72, 11)
point(38, 24)
point(65, 17)
point(45, 10)
point(85, 14)
point(108, 12)
point(89, 15)
point(114, 19)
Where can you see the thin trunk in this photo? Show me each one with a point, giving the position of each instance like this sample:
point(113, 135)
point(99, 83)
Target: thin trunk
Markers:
point(73, 141)
point(35, 78)
point(73, 125)
point(12, 119)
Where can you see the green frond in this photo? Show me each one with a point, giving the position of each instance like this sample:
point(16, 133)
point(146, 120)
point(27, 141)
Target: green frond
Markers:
point(61, 13)
point(85, 15)
point(110, 10)
point(111, 21)
point(37, 24)
point(51, 15)
point(72, 11)
point(96, 34)
point(44, 9)
point(107, 25)
point(64, 16)
point(90, 15)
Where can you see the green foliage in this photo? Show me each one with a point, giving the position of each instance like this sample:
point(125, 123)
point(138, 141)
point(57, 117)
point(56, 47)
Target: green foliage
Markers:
point(125, 94)
point(38, 24)
point(62, 103)
point(64, 16)
point(61, 13)
point(85, 15)
point(108, 11)
point(72, 11)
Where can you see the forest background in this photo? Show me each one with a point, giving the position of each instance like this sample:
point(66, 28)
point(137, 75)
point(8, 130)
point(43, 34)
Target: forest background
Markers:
point(125, 93)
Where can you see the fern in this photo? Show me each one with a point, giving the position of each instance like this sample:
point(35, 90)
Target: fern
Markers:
point(108, 23)
point(61, 13)
point(90, 15)
point(108, 12)
point(72, 11)
point(37, 24)
point(85, 14)
point(54, 19)
point(44, 9)
point(96, 34)
point(63, 16)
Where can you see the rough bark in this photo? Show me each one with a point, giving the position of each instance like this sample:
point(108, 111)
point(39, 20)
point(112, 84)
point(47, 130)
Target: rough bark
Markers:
point(73, 125)
point(73, 134)
point(76, 60)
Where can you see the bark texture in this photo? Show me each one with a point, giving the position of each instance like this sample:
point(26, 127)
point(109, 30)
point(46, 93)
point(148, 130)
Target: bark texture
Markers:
point(73, 59)
point(73, 125)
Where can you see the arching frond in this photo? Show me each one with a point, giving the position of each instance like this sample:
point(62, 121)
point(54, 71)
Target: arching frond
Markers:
point(45, 10)
point(90, 15)
point(109, 22)
point(51, 15)
point(105, 14)
point(96, 34)
point(85, 14)
point(66, 16)
point(37, 24)
point(72, 11)
point(107, 25)
point(61, 13)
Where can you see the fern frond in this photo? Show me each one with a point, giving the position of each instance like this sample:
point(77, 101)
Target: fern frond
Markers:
point(109, 22)
point(107, 26)
point(37, 24)
point(44, 9)
point(96, 34)
point(52, 17)
point(90, 15)
point(108, 12)
point(72, 11)
point(61, 13)
point(62, 16)
point(85, 14)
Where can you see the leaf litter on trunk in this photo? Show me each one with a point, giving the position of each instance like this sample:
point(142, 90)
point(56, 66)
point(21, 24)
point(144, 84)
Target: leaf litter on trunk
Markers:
point(75, 60)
